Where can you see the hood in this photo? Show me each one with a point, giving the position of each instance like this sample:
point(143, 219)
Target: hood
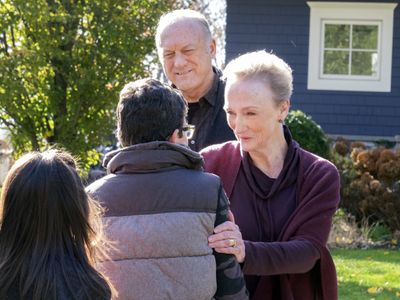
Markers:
point(152, 157)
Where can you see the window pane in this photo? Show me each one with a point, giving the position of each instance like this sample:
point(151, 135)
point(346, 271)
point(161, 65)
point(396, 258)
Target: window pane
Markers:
point(365, 36)
point(364, 63)
point(337, 36)
point(336, 62)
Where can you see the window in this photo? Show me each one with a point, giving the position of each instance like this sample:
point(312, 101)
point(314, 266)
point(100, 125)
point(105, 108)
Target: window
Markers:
point(346, 46)
point(350, 49)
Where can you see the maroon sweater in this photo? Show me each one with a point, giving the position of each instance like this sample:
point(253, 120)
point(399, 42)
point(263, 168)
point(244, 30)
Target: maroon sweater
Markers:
point(285, 222)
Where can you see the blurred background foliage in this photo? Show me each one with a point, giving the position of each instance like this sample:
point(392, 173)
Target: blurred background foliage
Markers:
point(62, 64)
point(308, 133)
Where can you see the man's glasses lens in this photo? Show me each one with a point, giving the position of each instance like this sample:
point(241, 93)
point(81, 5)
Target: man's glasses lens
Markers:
point(188, 131)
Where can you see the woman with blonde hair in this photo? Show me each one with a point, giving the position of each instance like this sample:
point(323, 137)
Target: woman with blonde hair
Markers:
point(50, 234)
point(283, 198)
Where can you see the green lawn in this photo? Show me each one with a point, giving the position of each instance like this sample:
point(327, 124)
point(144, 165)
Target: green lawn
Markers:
point(368, 274)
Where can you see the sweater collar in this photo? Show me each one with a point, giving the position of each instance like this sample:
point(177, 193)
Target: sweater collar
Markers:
point(152, 157)
point(286, 177)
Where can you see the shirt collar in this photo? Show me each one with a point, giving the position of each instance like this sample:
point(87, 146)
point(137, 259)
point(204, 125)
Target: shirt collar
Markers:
point(211, 95)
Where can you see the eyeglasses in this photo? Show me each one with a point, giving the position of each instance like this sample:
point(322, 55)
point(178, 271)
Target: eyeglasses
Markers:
point(188, 131)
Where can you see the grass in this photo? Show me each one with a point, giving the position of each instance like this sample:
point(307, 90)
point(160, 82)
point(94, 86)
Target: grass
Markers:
point(368, 274)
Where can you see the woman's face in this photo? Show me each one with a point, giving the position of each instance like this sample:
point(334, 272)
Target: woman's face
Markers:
point(252, 113)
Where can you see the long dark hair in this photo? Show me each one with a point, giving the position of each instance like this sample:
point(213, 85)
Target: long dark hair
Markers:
point(50, 234)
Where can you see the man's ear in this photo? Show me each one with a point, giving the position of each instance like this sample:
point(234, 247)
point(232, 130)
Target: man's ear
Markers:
point(174, 137)
point(213, 48)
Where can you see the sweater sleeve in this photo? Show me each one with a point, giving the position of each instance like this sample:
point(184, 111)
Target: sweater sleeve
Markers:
point(306, 233)
point(279, 257)
point(230, 280)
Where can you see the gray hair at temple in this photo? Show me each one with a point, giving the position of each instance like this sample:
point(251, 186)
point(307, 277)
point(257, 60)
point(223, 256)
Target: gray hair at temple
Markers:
point(178, 15)
point(264, 66)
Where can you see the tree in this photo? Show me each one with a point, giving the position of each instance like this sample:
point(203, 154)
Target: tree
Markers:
point(62, 64)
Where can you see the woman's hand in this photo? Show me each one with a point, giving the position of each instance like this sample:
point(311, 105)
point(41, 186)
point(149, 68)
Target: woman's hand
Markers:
point(227, 239)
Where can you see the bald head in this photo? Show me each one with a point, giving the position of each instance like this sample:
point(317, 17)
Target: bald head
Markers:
point(183, 16)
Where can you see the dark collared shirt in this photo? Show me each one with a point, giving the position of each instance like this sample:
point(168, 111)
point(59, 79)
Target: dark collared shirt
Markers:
point(209, 117)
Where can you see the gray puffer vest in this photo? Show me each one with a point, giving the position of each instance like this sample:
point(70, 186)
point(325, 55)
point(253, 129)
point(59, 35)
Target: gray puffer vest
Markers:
point(160, 209)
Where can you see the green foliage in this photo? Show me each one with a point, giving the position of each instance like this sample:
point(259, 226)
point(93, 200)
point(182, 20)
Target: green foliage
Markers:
point(380, 232)
point(386, 144)
point(307, 133)
point(367, 274)
point(62, 64)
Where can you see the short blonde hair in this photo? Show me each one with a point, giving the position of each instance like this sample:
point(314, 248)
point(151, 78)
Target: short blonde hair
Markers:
point(178, 15)
point(266, 67)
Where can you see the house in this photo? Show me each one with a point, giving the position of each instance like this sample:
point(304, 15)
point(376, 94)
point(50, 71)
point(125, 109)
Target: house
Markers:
point(345, 57)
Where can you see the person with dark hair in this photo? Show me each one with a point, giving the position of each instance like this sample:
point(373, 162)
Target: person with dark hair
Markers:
point(160, 206)
point(50, 232)
point(283, 197)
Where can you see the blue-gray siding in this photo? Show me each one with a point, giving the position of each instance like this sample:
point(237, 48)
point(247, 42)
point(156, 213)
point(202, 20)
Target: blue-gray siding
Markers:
point(283, 27)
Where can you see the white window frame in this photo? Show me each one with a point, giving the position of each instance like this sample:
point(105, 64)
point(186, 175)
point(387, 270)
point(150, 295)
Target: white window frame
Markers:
point(350, 13)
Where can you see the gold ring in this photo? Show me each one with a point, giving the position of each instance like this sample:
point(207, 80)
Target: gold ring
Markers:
point(232, 243)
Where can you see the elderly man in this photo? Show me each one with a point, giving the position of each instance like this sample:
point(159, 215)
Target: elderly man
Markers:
point(186, 50)
point(161, 207)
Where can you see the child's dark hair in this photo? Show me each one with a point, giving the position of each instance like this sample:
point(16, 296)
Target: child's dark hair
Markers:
point(50, 234)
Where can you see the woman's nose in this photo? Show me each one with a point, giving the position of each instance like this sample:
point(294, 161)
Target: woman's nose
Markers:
point(239, 125)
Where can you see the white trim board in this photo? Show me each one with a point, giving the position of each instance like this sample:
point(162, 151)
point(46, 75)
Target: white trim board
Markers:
point(350, 12)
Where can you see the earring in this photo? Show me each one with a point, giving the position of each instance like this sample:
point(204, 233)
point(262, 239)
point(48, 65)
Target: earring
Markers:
point(280, 121)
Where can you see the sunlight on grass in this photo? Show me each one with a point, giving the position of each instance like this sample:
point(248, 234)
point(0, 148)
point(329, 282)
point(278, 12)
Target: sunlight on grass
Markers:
point(368, 274)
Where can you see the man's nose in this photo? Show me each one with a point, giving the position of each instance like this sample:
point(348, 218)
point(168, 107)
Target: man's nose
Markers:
point(180, 60)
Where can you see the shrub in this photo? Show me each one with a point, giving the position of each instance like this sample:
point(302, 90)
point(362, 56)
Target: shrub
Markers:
point(307, 133)
point(380, 232)
point(370, 185)
point(348, 233)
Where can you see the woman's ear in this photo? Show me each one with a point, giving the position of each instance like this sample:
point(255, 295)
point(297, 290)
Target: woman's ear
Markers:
point(284, 109)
